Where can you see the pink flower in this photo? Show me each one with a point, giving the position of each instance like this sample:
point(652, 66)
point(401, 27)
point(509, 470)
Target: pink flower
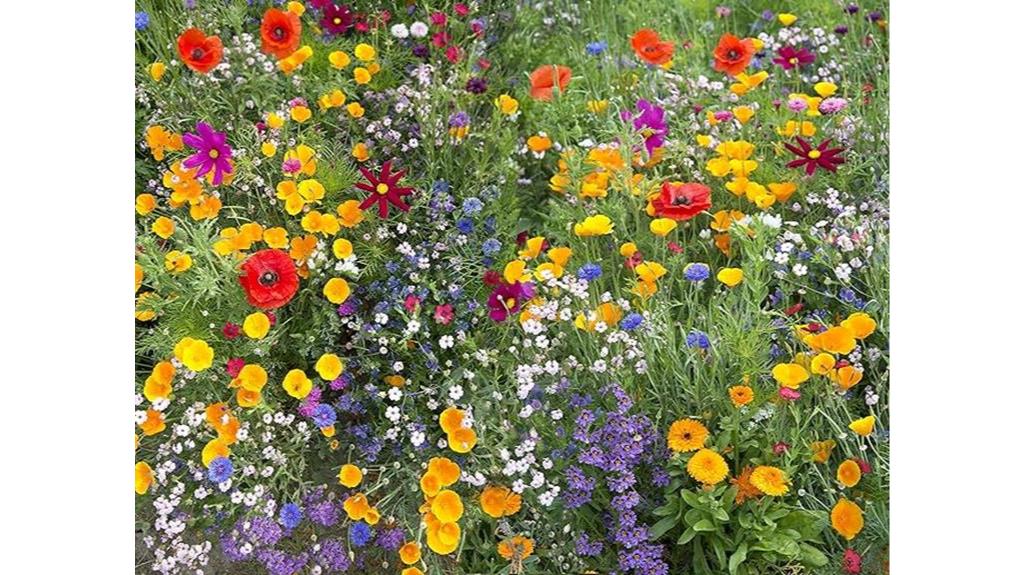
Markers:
point(443, 314)
point(865, 467)
point(411, 302)
point(461, 9)
point(723, 115)
point(452, 53)
point(675, 248)
point(231, 330)
point(780, 448)
point(851, 561)
point(440, 39)
point(438, 19)
point(789, 394)
point(235, 365)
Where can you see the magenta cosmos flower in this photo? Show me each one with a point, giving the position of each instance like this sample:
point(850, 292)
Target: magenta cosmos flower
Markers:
point(384, 190)
point(212, 152)
point(508, 298)
point(813, 158)
point(650, 122)
point(789, 57)
point(337, 19)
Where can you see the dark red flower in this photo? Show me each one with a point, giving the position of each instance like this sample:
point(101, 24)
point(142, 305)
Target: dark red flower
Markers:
point(492, 278)
point(789, 57)
point(794, 309)
point(680, 201)
point(231, 330)
point(813, 158)
point(384, 190)
point(865, 467)
point(269, 279)
point(337, 19)
point(780, 448)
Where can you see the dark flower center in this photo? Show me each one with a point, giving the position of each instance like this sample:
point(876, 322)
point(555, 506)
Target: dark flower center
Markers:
point(687, 436)
point(681, 201)
point(732, 54)
point(268, 278)
point(197, 53)
point(277, 33)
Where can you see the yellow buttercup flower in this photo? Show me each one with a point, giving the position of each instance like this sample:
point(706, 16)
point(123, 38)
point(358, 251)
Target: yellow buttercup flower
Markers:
point(296, 384)
point(329, 367)
point(847, 518)
point(337, 290)
point(268, 149)
point(213, 449)
point(350, 475)
point(599, 225)
point(730, 276)
point(863, 426)
point(339, 59)
point(296, 8)
point(144, 204)
point(707, 467)
point(662, 226)
point(256, 325)
point(156, 70)
point(790, 375)
point(446, 470)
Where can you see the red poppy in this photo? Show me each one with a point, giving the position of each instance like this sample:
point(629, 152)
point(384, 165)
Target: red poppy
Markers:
point(812, 158)
point(269, 279)
point(543, 79)
point(680, 201)
point(280, 32)
point(650, 48)
point(198, 51)
point(732, 54)
point(384, 190)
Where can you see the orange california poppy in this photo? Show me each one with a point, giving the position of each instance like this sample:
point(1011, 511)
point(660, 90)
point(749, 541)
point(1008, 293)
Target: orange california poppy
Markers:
point(198, 51)
point(280, 32)
point(542, 81)
point(650, 48)
point(732, 54)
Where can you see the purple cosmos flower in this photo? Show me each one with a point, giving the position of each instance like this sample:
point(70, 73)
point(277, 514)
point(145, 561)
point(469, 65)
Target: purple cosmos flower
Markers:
point(650, 122)
point(337, 19)
point(508, 298)
point(789, 57)
point(212, 152)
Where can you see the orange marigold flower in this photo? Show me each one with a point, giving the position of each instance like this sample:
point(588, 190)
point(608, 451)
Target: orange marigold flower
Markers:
point(741, 395)
point(744, 488)
point(847, 518)
point(516, 548)
point(687, 435)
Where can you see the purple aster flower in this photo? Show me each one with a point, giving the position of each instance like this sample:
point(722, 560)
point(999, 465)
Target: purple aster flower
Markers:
point(212, 152)
point(650, 122)
point(587, 548)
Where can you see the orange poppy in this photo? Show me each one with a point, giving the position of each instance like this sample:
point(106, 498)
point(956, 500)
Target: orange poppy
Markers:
point(542, 81)
point(280, 32)
point(650, 48)
point(198, 51)
point(732, 54)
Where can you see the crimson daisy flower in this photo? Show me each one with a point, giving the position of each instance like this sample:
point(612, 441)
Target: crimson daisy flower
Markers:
point(813, 158)
point(789, 57)
point(384, 190)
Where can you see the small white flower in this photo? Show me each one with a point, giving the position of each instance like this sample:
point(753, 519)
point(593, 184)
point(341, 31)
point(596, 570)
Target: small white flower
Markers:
point(418, 29)
point(400, 31)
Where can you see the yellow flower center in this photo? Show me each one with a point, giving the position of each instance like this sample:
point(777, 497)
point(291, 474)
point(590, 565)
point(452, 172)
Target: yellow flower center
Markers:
point(814, 154)
point(793, 61)
point(337, 21)
point(214, 154)
point(510, 302)
point(382, 189)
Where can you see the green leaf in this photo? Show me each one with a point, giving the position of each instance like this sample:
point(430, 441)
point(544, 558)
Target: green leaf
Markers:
point(737, 558)
point(692, 499)
point(685, 538)
point(812, 556)
point(721, 515)
point(662, 527)
point(704, 525)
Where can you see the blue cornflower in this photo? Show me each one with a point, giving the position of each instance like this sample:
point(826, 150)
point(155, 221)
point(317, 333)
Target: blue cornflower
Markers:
point(290, 515)
point(589, 272)
point(631, 321)
point(440, 187)
point(597, 48)
point(359, 534)
point(324, 416)
point(697, 272)
point(220, 470)
point(491, 247)
point(697, 338)
point(465, 225)
point(472, 206)
point(141, 21)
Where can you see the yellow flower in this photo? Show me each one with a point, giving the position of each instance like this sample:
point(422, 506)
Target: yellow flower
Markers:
point(782, 191)
point(533, 247)
point(450, 419)
point(745, 83)
point(301, 113)
point(560, 255)
point(860, 324)
point(339, 59)
point(730, 276)
point(365, 52)
point(599, 225)
point(177, 262)
point(412, 571)
point(770, 480)
point(268, 149)
point(143, 477)
point(356, 506)
point(847, 518)
point(687, 435)
point(329, 367)
point(213, 449)
point(332, 100)
point(342, 248)
point(662, 226)
point(707, 466)
point(741, 395)
point(743, 113)
point(196, 354)
point(446, 470)
point(825, 89)
point(506, 104)
point(462, 440)
point(296, 59)
point(792, 127)
point(790, 374)
point(650, 271)
point(145, 203)
point(848, 473)
point(538, 144)
point(296, 8)
point(516, 549)
point(252, 377)
point(787, 19)
point(863, 426)
point(430, 484)
point(360, 152)
point(350, 475)
point(361, 75)
point(355, 110)
point(627, 249)
point(837, 339)
point(447, 506)
point(513, 271)
point(256, 325)
point(143, 313)
point(296, 384)
point(443, 538)
point(847, 377)
point(275, 121)
point(276, 237)
point(156, 70)
point(409, 553)
point(163, 227)
point(337, 291)
point(821, 450)
point(350, 213)
point(823, 363)
point(597, 106)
